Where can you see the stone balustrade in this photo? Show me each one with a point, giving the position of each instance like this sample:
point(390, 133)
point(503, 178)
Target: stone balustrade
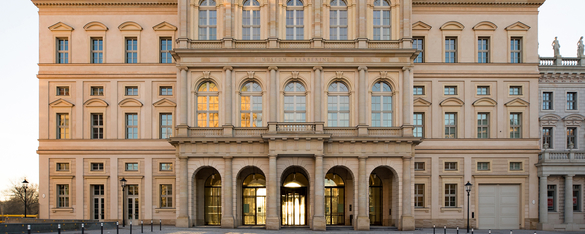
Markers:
point(291, 44)
point(294, 128)
point(561, 156)
point(562, 61)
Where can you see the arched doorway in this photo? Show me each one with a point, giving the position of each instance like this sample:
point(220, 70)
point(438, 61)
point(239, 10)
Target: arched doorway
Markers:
point(334, 199)
point(294, 197)
point(375, 200)
point(207, 199)
point(254, 199)
point(383, 187)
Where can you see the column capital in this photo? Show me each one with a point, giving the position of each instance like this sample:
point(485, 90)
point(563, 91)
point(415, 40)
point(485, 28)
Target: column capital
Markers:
point(569, 176)
point(407, 157)
point(362, 68)
point(228, 68)
point(272, 155)
point(272, 68)
point(407, 68)
point(319, 155)
point(541, 176)
point(228, 157)
point(183, 68)
point(363, 157)
point(318, 68)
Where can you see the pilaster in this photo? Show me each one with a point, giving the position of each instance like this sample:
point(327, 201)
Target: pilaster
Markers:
point(407, 219)
point(227, 217)
point(363, 219)
point(543, 206)
point(569, 199)
point(183, 127)
point(272, 217)
point(317, 93)
point(273, 94)
point(183, 219)
point(319, 222)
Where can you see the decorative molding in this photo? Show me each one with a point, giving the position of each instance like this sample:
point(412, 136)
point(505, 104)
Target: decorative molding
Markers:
point(206, 74)
point(228, 68)
point(130, 102)
point(362, 68)
point(164, 26)
point(485, 26)
point(95, 102)
point(419, 25)
point(562, 78)
point(573, 120)
point(486, 101)
point(518, 26)
point(39, 4)
point(318, 68)
point(452, 101)
point(272, 68)
point(453, 26)
point(338, 74)
point(485, 2)
point(549, 120)
point(60, 26)
point(61, 103)
point(164, 103)
point(95, 26)
point(518, 102)
point(421, 102)
point(295, 74)
point(384, 74)
point(130, 26)
point(251, 74)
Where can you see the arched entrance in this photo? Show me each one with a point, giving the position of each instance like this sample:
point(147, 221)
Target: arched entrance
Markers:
point(294, 197)
point(207, 199)
point(254, 199)
point(383, 187)
point(338, 193)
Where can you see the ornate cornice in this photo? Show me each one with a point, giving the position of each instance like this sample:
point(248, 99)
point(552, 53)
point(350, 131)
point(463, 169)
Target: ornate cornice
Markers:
point(39, 4)
point(474, 3)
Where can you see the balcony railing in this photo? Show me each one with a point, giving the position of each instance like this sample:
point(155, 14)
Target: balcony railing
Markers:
point(564, 61)
point(562, 156)
point(298, 128)
point(290, 44)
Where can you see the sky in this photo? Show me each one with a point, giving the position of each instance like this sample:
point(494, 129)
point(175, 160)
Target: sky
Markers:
point(18, 69)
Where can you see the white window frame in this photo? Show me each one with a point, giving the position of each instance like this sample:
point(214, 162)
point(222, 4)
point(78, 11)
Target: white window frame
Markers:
point(516, 125)
point(63, 131)
point(97, 54)
point(450, 195)
point(97, 129)
point(419, 44)
point(62, 50)
point(251, 7)
point(62, 195)
point(483, 125)
point(419, 124)
point(131, 55)
point(572, 101)
point(516, 50)
point(296, 95)
point(131, 128)
point(450, 49)
point(483, 50)
point(451, 123)
point(165, 125)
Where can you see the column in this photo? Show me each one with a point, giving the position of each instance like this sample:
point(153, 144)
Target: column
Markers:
point(183, 18)
point(273, 94)
point(362, 28)
point(228, 127)
point(227, 217)
point(362, 95)
point(182, 127)
point(363, 219)
point(407, 220)
point(317, 18)
point(569, 198)
point(406, 24)
point(543, 206)
point(227, 20)
point(183, 205)
point(272, 22)
point(272, 218)
point(319, 222)
point(318, 91)
point(407, 102)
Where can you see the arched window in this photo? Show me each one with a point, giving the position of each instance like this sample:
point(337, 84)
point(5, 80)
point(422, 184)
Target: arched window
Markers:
point(207, 20)
point(338, 105)
point(381, 20)
point(251, 20)
point(338, 20)
point(295, 102)
point(251, 105)
point(213, 200)
point(381, 105)
point(294, 20)
point(207, 105)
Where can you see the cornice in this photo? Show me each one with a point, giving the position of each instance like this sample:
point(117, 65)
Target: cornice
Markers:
point(43, 4)
point(474, 3)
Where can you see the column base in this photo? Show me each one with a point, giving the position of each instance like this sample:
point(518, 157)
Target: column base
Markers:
point(362, 223)
point(272, 223)
point(183, 222)
point(227, 222)
point(319, 223)
point(407, 223)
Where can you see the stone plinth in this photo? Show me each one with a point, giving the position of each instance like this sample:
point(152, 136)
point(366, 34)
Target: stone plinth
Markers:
point(407, 223)
point(272, 223)
point(362, 224)
point(319, 223)
point(183, 222)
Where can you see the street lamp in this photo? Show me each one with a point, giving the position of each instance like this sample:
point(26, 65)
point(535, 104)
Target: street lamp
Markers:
point(468, 189)
point(24, 186)
point(123, 184)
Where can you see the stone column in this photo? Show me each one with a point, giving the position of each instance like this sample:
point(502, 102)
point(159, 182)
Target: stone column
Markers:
point(227, 217)
point(183, 126)
point(362, 36)
point(317, 92)
point(183, 23)
point(363, 219)
point(407, 102)
point(317, 18)
point(272, 23)
point(407, 220)
point(362, 95)
point(273, 94)
point(543, 206)
point(227, 20)
point(319, 222)
point(569, 198)
point(183, 205)
point(228, 127)
point(272, 218)
point(406, 6)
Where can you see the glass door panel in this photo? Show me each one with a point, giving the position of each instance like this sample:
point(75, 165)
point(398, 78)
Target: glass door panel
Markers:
point(335, 206)
point(212, 205)
point(293, 206)
point(375, 205)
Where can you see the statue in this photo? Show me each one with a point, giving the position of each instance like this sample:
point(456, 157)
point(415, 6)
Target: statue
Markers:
point(556, 47)
point(580, 48)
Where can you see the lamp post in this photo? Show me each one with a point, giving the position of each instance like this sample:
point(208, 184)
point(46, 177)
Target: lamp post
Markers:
point(24, 186)
point(123, 184)
point(468, 189)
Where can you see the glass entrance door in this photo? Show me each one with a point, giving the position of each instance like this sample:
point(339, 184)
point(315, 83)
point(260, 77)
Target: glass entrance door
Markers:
point(98, 205)
point(293, 206)
point(334, 199)
point(133, 203)
point(375, 200)
point(254, 200)
point(213, 200)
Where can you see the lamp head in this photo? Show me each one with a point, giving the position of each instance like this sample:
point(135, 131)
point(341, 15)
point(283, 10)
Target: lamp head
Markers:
point(123, 181)
point(468, 186)
point(25, 183)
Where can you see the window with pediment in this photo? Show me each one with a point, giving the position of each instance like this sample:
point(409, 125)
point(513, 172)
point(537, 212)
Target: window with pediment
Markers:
point(381, 20)
point(207, 105)
point(338, 20)
point(338, 105)
point(294, 20)
point(207, 20)
point(251, 105)
point(381, 105)
point(251, 20)
point(295, 102)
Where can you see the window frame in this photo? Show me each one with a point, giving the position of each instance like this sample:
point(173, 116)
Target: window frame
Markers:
point(481, 88)
point(165, 166)
point(165, 130)
point(450, 50)
point(99, 52)
point(131, 91)
point(547, 138)
point(295, 94)
point(547, 100)
point(97, 130)
point(63, 128)
point(131, 129)
point(62, 197)
point(419, 195)
point(338, 111)
point(552, 188)
point(518, 125)
point(450, 195)
point(483, 50)
point(253, 96)
point(452, 127)
point(515, 88)
point(572, 101)
point(62, 55)
point(166, 196)
point(417, 166)
point(381, 9)
point(577, 198)
point(450, 166)
point(207, 26)
point(250, 24)
point(483, 124)
point(448, 88)
point(135, 166)
point(99, 89)
point(516, 53)
point(92, 168)
point(62, 91)
point(338, 9)
point(418, 87)
point(520, 168)
point(165, 52)
point(418, 124)
point(419, 44)
point(131, 55)
point(62, 166)
point(211, 115)
point(295, 10)
point(382, 111)
point(483, 166)
point(164, 90)
point(572, 137)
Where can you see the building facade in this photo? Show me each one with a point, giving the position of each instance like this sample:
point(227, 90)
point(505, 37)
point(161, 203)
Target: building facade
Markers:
point(290, 113)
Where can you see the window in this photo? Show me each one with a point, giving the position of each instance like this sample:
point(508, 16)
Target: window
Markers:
point(97, 166)
point(166, 125)
point(577, 197)
point(381, 20)
point(483, 125)
point(207, 20)
point(515, 90)
point(62, 50)
point(132, 126)
point(515, 50)
point(166, 196)
point(338, 20)
point(97, 91)
point(62, 126)
point(483, 50)
point(450, 125)
point(547, 100)
point(571, 101)
point(552, 197)
point(97, 50)
point(450, 90)
point(515, 166)
point(338, 105)
point(131, 166)
point(419, 195)
point(294, 102)
point(131, 90)
point(294, 20)
point(132, 50)
point(166, 45)
point(419, 166)
point(571, 136)
point(483, 166)
point(62, 166)
point(251, 105)
point(450, 195)
point(166, 167)
point(515, 125)
point(419, 124)
point(166, 91)
point(418, 44)
point(62, 195)
point(450, 166)
point(62, 90)
point(381, 105)
point(483, 90)
point(251, 20)
point(547, 135)
point(418, 90)
point(207, 105)
point(451, 50)
point(97, 126)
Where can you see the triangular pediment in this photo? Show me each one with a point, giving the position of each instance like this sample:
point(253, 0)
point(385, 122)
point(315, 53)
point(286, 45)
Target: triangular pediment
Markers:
point(95, 26)
point(164, 103)
point(485, 26)
point(164, 26)
point(518, 26)
point(130, 26)
point(453, 25)
point(518, 102)
point(452, 101)
point(421, 102)
point(60, 27)
point(485, 102)
point(421, 26)
point(61, 103)
point(95, 102)
point(130, 102)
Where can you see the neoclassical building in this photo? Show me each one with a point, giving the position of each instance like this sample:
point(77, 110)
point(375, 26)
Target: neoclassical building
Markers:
point(279, 113)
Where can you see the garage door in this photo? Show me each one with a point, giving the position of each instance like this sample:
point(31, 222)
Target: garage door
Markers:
point(499, 207)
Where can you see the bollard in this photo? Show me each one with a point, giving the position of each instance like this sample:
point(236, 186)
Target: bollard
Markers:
point(490, 231)
point(82, 228)
point(117, 228)
point(471, 230)
point(28, 227)
point(130, 227)
point(457, 229)
point(58, 228)
point(510, 231)
point(102, 224)
point(444, 229)
point(433, 229)
point(160, 224)
point(141, 226)
point(151, 230)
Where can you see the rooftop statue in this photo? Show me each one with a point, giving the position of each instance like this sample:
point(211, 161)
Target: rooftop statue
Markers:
point(556, 47)
point(580, 48)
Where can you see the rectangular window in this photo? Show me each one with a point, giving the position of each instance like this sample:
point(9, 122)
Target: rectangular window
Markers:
point(208, 22)
point(419, 166)
point(571, 101)
point(97, 166)
point(418, 44)
point(62, 166)
point(131, 166)
point(552, 197)
point(97, 91)
point(131, 90)
point(547, 135)
point(450, 125)
point(132, 50)
point(450, 166)
point(250, 25)
point(166, 195)
point(166, 91)
point(450, 195)
point(62, 195)
point(483, 166)
point(515, 125)
point(166, 125)
point(97, 50)
point(515, 90)
point(62, 126)
point(450, 90)
point(547, 100)
point(571, 136)
point(516, 50)
point(483, 50)
point(515, 166)
point(418, 90)
point(166, 46)
point(132, 126)
point(451, 50)
point(62, 50)
point(419, 195)
point(577, 198)
point(97, 126)
point(419, 124)
point(483, 90)
point(62, 90)
point(166, 166)
point(483, 125)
